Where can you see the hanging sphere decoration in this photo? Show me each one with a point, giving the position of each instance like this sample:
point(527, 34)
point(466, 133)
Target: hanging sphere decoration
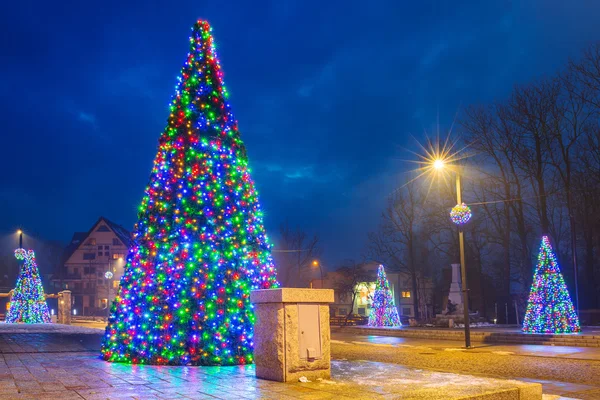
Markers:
point(108, 275)
point(460, 214)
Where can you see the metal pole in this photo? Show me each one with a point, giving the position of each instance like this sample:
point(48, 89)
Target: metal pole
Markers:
point(21, 240)
point(574, 250)
point(463, 270)
point(108, 294)
point(321, 270)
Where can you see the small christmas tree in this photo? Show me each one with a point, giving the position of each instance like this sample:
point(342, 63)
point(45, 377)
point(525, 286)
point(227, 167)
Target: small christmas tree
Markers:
point(200, 243)
point(383, 311)
point(28, 303)
point(550, 309)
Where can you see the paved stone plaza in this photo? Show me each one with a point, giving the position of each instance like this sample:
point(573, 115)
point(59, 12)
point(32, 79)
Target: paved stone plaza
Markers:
point(84, 376)
point(55, 365)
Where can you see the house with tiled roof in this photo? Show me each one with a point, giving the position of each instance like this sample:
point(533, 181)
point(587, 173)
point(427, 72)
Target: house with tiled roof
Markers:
point(86, 262)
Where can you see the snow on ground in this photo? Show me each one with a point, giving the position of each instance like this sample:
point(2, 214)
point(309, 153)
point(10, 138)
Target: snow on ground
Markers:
point(47, 328)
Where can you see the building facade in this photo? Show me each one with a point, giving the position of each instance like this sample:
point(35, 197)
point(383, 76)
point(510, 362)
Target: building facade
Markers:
point(93, 265)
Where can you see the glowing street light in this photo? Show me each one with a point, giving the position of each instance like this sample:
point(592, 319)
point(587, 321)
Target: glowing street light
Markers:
point(20, 233)
point(438, 164)
point(316, 263)
point(443, 161)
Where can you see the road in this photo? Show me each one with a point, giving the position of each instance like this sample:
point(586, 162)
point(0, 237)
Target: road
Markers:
point(569, 371)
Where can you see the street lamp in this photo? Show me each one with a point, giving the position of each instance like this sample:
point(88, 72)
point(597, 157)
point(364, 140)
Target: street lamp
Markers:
point(20, 233)
point(316, 263)
point(460, 215)
point(109, 276)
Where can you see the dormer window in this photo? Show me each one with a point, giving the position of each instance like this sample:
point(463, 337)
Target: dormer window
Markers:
point(103, 228)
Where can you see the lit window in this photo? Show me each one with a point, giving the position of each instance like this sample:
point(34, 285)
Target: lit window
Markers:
point(91, 242)
point(406, 295)
point(116, 256)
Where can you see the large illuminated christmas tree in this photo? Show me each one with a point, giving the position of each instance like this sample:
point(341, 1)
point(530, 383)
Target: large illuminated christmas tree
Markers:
point(200, 244)
point(550, 309)
point(383, 311)
point(28, 303)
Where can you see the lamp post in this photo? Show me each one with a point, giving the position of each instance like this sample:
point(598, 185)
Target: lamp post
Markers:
point(316, 263)
point(109, 277)
point(20, 232)
point(460, 215)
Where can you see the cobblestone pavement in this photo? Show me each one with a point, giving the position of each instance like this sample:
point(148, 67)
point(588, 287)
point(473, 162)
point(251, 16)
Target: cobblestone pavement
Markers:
point(84, 376)
point(61, 366)
point(567, 371)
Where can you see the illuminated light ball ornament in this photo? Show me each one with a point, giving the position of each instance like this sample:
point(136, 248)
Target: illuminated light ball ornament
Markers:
point(28, 303)
point(460, 214)
point(108, 275)
point(549, 309)
point(383, 309)
point(200, 246)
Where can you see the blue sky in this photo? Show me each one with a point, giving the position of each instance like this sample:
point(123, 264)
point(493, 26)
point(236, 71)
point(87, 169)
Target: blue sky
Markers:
point(328, 94)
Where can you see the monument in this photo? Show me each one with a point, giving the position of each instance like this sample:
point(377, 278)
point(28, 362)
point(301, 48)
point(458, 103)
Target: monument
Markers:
point(455, 295)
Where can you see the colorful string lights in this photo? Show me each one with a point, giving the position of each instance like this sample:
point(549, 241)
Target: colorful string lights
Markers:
point(200, 244)
point(383, 311)
point(460, 214)
point(549, 309)
point(28, 303)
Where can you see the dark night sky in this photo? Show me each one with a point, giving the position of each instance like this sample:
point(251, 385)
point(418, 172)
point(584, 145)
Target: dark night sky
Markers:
point(327, 94)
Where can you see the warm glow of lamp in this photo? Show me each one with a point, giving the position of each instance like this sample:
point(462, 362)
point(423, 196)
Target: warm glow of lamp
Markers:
point(315, 263)
point(19, 232)
point(438, 164)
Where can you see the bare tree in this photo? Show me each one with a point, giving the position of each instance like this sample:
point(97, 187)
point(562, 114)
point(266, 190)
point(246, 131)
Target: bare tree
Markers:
point(401, 236)
point(347, 280)
point(294, 253)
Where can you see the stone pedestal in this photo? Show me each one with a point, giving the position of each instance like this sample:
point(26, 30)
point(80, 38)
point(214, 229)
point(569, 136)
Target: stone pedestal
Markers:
point(455, 295)
point(291, 333)
point(64, 307)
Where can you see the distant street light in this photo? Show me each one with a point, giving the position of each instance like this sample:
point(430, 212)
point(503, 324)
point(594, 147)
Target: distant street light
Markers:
point(316, 263)
point(20, 233)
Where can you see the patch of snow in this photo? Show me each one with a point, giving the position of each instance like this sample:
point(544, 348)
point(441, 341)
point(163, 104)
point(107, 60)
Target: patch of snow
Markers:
point(475, 325)
point(327, 381)
point(375, 344)
point(303, 379)
point(503, 353)
point(454, 349)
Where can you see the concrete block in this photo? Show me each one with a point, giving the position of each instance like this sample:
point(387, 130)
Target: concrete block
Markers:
point(279, 329)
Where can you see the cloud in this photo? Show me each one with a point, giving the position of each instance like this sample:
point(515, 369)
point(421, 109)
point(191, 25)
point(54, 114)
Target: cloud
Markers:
point(87, 117)
point(137, 80)
point(301, 173)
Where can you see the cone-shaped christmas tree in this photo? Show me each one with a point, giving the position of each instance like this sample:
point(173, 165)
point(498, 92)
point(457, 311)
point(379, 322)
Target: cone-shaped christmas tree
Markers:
point(200, 245)
point(383, 311)
point(550, 309)
point(28, 303)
